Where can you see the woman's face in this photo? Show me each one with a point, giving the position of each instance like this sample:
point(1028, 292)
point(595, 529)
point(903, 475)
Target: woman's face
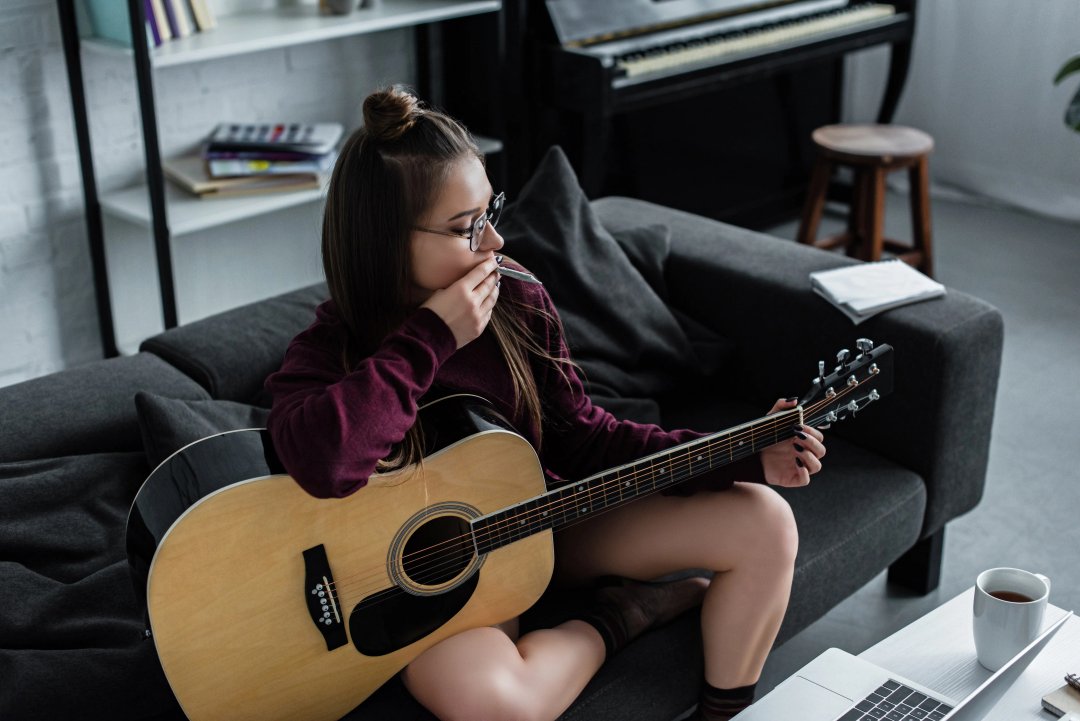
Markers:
point(440, 260)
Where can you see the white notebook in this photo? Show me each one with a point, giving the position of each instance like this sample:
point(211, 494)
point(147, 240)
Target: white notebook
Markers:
point(866, 289)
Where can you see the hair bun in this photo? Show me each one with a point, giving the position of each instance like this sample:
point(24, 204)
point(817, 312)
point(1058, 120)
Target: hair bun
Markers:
point(390, 113)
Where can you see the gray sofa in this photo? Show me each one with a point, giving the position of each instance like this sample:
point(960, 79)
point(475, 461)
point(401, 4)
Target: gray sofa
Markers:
point(73, 453)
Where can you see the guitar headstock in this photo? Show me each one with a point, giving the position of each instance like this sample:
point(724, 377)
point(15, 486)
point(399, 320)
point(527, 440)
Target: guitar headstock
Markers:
point(851, 386)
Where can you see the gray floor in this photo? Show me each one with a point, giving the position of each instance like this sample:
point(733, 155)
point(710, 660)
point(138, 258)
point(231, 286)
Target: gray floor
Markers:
point(1030, 514)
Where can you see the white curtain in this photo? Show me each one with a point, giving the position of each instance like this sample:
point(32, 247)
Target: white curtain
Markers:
point(981, 83)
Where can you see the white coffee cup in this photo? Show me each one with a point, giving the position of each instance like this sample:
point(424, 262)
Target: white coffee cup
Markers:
point(1009, 608)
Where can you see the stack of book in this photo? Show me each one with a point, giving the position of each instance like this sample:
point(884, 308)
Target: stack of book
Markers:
point(165, 19)
point(249, 158)
point(173, 19)
point(865, 289)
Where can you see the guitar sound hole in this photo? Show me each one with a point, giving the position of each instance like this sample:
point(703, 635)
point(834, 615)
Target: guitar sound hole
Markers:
point(438, 551)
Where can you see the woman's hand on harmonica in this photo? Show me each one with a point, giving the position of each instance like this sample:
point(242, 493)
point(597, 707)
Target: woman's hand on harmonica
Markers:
point(466, 305)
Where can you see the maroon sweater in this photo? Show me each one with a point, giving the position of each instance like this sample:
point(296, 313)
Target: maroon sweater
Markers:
point(330, 428)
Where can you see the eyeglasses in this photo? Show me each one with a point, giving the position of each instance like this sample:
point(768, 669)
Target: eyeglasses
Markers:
point(476, 231)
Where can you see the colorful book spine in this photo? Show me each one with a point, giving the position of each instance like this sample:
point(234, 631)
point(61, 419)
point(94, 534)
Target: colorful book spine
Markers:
point(223, 168)
point(177, 21)
point(204, 16)
point(151, 22)
point(162, 20)
point(183, 9)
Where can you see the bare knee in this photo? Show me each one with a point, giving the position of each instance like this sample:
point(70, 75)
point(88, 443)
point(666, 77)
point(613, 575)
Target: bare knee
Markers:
point(771, 525)
point(473, 677)
point(500, 696)
point(512, 700)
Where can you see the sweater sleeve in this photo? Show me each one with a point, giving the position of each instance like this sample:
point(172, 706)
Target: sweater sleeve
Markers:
point(581, 439)
point(330, 428)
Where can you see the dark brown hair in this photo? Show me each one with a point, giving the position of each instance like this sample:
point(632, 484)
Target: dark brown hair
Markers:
point(387, 174)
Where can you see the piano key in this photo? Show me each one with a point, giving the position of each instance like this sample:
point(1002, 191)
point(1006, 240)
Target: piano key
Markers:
point(753, 16)
point(749, 42)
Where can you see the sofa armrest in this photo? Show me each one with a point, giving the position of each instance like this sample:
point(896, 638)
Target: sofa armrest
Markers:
point(754, 289)
point(231, 353)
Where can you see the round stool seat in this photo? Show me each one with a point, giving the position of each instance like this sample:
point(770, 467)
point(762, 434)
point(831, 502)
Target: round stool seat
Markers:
point(872, 151)
point(873, 143)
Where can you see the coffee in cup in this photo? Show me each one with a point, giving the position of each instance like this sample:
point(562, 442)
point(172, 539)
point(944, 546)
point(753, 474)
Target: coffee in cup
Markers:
point(1008, 613)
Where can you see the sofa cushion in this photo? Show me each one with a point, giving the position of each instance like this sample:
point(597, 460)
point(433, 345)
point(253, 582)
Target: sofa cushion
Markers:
point(230, 354)
point(71, 642)
point(86, 409)
point(618, 326)
point(169, 424)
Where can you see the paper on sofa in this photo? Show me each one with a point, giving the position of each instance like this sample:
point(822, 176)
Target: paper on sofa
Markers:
point(866, 289)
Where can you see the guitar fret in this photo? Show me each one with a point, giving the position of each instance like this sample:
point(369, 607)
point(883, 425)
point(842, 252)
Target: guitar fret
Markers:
point(575, 501)
point(504, 534)
point(567, 505)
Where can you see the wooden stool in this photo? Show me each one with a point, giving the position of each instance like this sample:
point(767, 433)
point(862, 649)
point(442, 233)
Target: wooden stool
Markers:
point(872, 151)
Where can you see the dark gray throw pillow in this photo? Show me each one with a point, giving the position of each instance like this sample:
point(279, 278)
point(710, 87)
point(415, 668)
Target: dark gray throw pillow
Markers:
point(620, 330)
point(169, 424)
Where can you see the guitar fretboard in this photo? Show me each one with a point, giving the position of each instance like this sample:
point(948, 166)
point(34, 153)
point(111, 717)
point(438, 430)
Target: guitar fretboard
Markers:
point(577, 501)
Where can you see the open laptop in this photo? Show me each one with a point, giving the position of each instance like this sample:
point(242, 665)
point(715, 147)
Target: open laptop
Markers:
point(837, 686)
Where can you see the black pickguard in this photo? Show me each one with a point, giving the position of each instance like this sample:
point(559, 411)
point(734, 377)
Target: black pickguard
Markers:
point(391, 619)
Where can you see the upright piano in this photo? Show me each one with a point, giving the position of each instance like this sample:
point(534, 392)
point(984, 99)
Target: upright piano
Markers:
point(599, 58)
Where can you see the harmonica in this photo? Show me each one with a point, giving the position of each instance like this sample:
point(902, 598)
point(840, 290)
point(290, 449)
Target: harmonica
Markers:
point(519, 274)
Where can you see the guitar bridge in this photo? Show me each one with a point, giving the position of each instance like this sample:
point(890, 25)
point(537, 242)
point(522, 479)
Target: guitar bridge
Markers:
point(321, 596)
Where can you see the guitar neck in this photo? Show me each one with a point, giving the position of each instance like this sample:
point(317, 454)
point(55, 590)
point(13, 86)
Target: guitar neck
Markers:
point(619, 486)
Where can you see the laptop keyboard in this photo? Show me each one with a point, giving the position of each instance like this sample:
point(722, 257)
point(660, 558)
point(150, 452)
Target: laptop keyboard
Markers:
point(893, 701)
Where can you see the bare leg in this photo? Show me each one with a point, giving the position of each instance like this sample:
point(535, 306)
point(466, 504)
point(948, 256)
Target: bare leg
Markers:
point(746, 535)
point(482, 675)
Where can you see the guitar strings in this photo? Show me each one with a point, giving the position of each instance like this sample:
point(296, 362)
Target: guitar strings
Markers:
point(574, 499)
point(559, 504)
point(392, 592)
point(726, 444)
point(600, 489)
point(449, 559)
point(704, 448)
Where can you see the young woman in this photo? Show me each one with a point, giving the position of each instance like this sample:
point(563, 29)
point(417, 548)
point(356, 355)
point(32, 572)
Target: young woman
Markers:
point(411, 251)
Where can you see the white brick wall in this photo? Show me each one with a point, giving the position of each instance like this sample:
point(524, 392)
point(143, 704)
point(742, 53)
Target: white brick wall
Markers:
point(48, 319)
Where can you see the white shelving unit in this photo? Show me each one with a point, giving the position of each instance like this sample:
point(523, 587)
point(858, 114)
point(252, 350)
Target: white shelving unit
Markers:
point(185, 214)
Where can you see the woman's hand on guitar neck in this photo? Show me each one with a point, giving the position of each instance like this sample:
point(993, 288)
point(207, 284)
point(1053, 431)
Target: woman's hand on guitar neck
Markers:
point(792, 462)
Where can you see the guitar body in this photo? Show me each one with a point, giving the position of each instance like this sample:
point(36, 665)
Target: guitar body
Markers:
point(274, 604)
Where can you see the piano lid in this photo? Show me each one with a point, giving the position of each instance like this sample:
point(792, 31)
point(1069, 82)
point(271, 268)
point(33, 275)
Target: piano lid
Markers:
point(584, 22)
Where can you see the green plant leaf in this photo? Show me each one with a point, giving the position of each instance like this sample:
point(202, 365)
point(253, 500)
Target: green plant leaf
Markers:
point(1072, 113)
point(1072, 65)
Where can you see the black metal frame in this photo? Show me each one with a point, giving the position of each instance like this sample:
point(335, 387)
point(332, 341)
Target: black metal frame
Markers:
point(155, 179)
point(92, 208)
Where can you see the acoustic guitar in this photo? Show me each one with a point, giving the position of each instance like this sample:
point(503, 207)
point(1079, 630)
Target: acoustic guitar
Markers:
point(266, 603)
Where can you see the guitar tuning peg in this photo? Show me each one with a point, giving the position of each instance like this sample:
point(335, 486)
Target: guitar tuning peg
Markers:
point(865, 345)
point(820, 380)
point(842, 358)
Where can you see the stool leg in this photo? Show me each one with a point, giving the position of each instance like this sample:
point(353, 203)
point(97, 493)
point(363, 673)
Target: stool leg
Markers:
point(815, 201)
point(856, 228)
point(873, 238)
point(919, 179)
